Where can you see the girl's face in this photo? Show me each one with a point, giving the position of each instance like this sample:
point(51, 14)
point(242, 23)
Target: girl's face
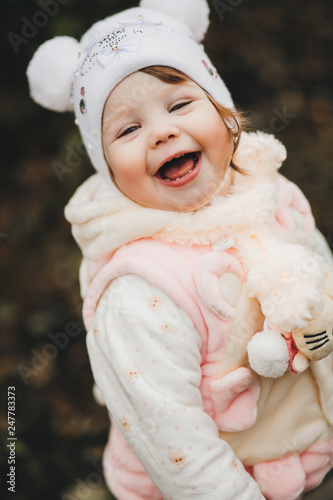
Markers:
point(166, 144)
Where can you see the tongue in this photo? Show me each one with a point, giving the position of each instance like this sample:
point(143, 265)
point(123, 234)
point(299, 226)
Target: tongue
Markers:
point(178, 167)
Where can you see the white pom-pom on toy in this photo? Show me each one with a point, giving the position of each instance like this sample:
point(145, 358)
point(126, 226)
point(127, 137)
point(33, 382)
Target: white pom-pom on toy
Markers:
point(193, 13)
point(49, 73)
point(268, 354)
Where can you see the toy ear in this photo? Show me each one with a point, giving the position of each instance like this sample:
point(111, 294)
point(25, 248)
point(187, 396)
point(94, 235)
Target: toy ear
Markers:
point(49, 73)
point(193, 13)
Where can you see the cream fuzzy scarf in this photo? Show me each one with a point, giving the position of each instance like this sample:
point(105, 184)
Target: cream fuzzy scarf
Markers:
point(103, 219)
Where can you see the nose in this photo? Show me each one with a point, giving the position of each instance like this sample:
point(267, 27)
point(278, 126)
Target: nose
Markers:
point(163, 134)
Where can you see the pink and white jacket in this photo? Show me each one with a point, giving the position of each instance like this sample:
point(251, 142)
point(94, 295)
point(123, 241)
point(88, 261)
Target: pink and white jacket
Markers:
point(171, 302)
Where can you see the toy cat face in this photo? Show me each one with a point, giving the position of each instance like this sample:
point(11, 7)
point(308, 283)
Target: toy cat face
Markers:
point(315, 346)
point(316, 340)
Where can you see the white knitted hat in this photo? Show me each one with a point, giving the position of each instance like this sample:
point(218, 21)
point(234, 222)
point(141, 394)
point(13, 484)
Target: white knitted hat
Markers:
point(66, 75)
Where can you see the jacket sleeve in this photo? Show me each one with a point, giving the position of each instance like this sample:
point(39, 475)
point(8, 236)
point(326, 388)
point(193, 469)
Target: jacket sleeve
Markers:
point(145, 356)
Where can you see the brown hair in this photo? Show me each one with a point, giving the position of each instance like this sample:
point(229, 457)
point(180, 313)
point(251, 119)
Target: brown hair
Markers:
point(234, 119)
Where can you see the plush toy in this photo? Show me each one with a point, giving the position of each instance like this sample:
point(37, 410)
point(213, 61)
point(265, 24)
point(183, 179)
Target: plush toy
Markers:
point(289, 275)
point(272, 351)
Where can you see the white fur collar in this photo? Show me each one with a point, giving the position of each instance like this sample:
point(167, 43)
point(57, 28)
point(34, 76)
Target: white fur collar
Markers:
point(103, 220)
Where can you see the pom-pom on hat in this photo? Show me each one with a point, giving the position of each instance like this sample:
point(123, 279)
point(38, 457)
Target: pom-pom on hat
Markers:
point(66, 75)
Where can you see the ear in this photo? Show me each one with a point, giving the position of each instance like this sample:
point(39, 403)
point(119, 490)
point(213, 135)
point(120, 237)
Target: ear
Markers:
point(50, 73)
point(193, 13)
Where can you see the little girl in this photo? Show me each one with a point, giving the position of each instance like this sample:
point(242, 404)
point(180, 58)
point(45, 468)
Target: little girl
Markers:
point(208, 291)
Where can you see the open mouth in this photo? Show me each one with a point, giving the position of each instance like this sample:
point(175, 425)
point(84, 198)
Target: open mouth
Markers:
point(180, 169)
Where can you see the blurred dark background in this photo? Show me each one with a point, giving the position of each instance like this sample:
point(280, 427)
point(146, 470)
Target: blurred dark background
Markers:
point(276, 57)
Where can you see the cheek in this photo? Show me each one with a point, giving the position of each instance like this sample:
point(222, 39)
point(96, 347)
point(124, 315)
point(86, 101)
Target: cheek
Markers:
point(222, 143)
point(215, 133)
point(220, 133)
point(123, 164)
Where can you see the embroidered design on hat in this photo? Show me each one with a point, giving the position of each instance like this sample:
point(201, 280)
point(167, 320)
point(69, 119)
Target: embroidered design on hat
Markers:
point(110, 40)
point(109, 46)
point(114, 47)
point(83, 106)
point(211, 70)
point(147, 31)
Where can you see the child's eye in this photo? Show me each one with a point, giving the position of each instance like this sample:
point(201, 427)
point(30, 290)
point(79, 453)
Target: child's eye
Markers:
point(179, 106)
point(128, 130)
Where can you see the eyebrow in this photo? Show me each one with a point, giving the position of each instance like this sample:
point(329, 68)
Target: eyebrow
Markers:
point(118, 114)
